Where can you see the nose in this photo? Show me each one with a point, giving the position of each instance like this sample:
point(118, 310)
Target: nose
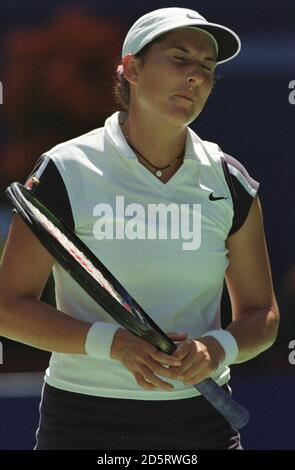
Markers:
point(196, 76)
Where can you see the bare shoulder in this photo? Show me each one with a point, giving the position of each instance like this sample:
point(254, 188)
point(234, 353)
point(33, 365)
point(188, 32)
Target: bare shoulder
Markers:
point(252, 227)
point(248, 276)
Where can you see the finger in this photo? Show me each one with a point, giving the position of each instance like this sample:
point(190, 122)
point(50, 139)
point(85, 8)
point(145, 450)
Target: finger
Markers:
point(143, 383)
point(183, 349)
point(196, 378)
point(177, 336)
point(190, 361)
point(149, 376)
point(170, 372)
point(162, 369)
point(165, 358)
point(190, 375)
point(198, 372)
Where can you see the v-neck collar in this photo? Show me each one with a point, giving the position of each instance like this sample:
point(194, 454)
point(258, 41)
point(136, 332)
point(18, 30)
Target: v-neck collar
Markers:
point(194, 152)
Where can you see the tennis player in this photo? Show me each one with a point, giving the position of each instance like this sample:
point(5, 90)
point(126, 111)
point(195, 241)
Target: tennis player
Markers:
point(172, 216)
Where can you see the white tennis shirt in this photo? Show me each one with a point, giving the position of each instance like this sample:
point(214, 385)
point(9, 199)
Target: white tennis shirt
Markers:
point(174, 266)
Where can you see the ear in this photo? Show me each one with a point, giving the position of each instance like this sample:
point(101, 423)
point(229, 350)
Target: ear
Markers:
point(130, 68)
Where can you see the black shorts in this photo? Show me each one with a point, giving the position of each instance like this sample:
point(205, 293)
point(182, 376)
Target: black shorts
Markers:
point(71, 421)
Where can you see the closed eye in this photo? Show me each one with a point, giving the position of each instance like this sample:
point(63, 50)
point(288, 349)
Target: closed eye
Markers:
point(184, 59)
point(207, 68)
point(179, 58)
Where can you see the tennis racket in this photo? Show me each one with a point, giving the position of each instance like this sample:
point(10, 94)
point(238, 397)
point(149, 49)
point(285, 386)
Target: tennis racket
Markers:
point(84, 267)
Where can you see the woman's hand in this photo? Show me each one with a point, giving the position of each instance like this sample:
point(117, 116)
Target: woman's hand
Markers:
point(199, 359)
point(144, 361)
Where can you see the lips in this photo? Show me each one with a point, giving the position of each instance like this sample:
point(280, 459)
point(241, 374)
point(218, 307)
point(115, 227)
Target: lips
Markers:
point(186, 95)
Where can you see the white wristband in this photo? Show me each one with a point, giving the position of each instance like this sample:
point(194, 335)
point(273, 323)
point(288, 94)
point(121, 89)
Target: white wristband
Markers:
point(227, 342)
point(99, 340)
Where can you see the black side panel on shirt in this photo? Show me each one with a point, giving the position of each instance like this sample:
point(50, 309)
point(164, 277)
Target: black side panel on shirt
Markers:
point(242, 199)
point(47, 184)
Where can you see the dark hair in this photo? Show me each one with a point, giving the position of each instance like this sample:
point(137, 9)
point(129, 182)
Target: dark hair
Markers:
point(121, 86)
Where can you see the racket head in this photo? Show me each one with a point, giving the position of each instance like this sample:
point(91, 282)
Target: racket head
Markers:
point(85, 268)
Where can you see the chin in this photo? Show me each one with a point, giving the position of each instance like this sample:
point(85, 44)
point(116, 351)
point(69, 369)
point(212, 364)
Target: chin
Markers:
point(183, 116)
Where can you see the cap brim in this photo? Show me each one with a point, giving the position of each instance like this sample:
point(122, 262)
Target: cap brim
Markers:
point(229, 44)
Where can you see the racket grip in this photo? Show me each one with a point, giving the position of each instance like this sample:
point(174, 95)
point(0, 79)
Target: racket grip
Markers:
point(236, 415)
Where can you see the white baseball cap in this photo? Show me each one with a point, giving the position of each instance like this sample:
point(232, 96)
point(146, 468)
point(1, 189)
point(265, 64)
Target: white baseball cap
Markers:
point(157, 22)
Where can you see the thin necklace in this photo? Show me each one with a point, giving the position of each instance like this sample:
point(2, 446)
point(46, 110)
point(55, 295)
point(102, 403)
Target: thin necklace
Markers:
point(158, 171)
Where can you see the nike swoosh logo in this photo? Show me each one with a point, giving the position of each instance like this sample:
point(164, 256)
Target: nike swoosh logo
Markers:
point(193, 16)
point(213, 198)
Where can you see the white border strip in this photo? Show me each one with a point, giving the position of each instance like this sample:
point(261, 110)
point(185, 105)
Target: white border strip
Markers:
point(243, 180)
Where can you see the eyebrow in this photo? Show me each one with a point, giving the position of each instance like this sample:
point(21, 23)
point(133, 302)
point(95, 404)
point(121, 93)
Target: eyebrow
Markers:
point(188, 52)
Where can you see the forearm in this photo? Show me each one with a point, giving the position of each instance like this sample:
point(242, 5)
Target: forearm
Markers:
point(255, 331)
point(30, 321)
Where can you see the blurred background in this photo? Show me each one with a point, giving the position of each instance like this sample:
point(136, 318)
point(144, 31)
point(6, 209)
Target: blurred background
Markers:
point(57, 65)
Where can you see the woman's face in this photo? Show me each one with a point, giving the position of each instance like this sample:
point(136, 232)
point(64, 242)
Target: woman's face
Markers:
point(185, 58)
